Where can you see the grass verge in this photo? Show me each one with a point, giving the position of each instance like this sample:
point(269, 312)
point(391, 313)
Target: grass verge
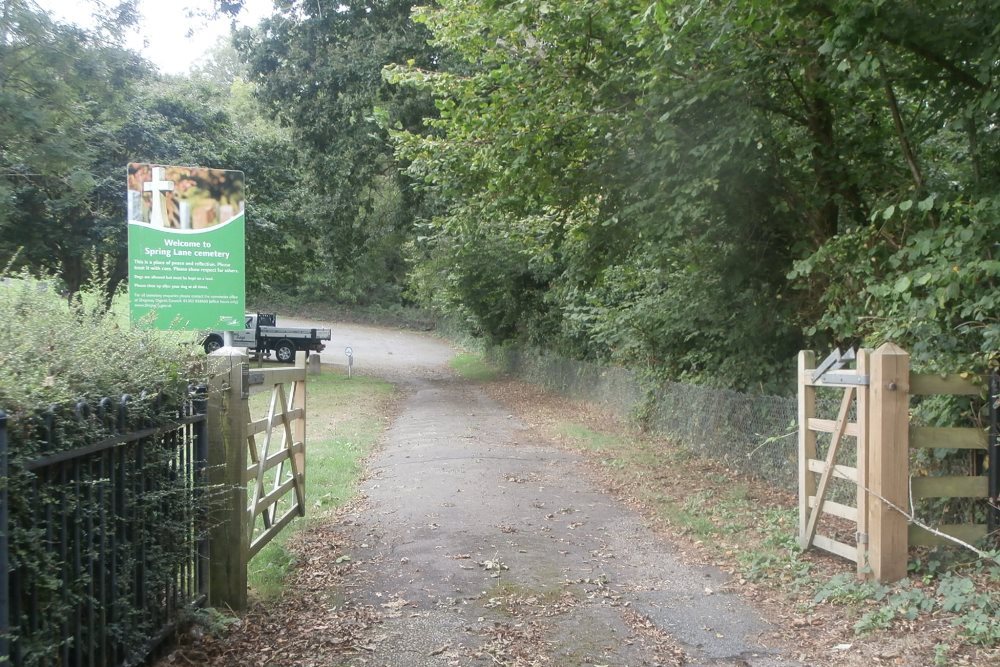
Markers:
point(947, 612)
point(344, 418)
point(724, 515)
point(472, 367)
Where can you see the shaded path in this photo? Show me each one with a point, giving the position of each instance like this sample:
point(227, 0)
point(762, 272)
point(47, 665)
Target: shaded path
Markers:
point(480, 544)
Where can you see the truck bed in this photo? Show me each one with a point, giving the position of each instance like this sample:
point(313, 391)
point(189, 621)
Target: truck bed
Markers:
point(293, 333)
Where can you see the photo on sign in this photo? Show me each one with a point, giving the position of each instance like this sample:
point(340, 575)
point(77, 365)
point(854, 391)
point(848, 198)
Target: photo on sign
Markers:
point(184, 198)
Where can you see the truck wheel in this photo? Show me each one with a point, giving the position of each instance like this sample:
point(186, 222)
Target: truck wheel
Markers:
point(211, 344)
point(284, 351)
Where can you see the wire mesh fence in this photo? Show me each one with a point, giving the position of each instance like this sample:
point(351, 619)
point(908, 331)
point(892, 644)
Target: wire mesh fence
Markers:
point(756, 435)
point(751, 434)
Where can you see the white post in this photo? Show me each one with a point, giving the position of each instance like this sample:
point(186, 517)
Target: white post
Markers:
point(807, 440)
point(184, 211)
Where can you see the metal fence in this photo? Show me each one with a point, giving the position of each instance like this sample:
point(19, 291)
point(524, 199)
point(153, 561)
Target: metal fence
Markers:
point(103, 541)
point(752, 434)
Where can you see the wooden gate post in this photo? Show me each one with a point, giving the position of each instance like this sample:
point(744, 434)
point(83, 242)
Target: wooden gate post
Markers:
point(807, 440)
point(888, 462)
point(861, 463)
point(227, 463)
point(299, 430)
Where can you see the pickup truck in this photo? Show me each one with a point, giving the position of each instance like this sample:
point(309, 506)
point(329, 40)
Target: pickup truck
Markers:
point(262, 336)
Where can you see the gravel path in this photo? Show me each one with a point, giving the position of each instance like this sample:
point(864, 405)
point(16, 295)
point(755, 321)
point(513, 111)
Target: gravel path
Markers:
point(480, 544)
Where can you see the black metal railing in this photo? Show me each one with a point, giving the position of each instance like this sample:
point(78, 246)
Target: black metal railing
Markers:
point(103, 539)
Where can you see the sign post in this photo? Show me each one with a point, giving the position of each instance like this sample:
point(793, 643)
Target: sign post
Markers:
point(350, 360)
point(186, 247)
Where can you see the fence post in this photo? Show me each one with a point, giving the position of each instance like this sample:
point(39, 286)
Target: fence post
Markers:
point(199, 406)
point(227, 463)
point(889, 462)
point(807, 440)
point(861, 463)
point(4, 546)
point(299, 429)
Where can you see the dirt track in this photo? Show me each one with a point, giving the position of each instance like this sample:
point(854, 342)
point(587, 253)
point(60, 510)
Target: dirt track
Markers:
point(476, 542)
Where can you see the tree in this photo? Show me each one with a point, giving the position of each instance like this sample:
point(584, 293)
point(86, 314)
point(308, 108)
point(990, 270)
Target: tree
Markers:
point(698, 188)
point(60, 87)
point(318, 66)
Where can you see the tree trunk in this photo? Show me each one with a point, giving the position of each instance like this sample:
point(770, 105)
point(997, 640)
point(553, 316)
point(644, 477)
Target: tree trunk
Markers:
point(824, 156)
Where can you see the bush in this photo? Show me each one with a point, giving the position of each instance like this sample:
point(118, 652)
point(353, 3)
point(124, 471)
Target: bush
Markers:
point(83, 533)
point(59, 351)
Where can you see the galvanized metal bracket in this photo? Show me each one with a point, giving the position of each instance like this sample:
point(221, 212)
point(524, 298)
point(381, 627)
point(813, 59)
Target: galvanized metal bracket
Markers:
point(826, 373)
point(834, 361)
point(845, 378)
point(248, 378)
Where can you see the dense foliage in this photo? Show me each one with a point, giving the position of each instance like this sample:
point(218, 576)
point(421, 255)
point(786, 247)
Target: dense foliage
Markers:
point(59, 353)
point(694, 188)
point(59, 360)
point(702, 188)
point(318, 67)
point(60, 144)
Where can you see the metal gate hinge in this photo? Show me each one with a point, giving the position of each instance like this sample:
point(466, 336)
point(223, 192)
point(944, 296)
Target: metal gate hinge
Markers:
point(245, 381)
point(861, 538)
point(845, 378)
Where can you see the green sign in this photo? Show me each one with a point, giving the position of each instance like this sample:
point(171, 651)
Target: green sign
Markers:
point(186, 247)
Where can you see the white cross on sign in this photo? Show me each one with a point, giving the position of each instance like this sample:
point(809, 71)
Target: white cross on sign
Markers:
point(158, 186)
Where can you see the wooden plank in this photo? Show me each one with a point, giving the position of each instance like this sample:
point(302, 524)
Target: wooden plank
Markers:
point(273, 376)
point(299, 432)
point(827, 475)
point(828, 425)
point(838, 548)
point(930, 437)
point(888, 462)
point(276, 407)
point(839, 471)
point(861, 493)
point(282, 455)
point(924, 384)
point(229, 534)
point(273, 496)
point(837, 509)
point(252, 448)
point(262, 424)
point(261, 541)
point(967, 532)
point(272, 460)
point(954, 486)
point(807, 437)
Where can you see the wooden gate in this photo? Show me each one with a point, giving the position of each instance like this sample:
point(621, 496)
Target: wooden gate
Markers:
point(277, 450)
point(880, 387)
point(257, 459)
point(839, 462)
